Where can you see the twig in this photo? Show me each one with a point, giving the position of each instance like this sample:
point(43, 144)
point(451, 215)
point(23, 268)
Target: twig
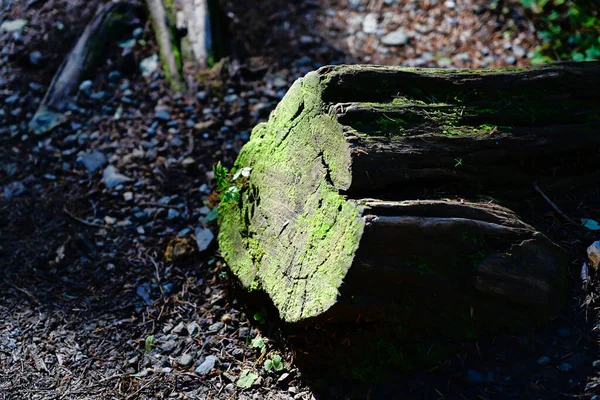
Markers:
point(131, 396)
point(554, 206)
point(84, 221)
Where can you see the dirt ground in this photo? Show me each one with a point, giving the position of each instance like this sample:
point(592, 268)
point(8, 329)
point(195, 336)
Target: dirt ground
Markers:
point(104, 293)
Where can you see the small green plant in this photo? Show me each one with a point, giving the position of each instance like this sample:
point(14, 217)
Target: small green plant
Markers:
point(259, 343)
point(260, 317)
point(570, 29)
point(246, 379)
point(149, 343)
point(458, 162)
point(230, 187)
point(274, 363)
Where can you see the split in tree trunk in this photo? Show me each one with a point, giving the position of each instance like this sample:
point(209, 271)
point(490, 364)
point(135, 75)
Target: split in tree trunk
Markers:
point(110, 23)
point(375, 192)
point(190, 37)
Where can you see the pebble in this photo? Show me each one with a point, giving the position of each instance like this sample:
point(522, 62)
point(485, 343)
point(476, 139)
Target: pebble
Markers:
point(168, 346)
point(114, 76)
point(162, 113)
point(93, 160)
point(172, 214)
point(370, 24)
point(475, 377)
point(85, 85)
point(510, 60)
point(543, 361)
point(128, 196)
point(204, 237)
point(230, 388)
point(206, 366)
point(565, 367)
point(137, 32)
point(519, 51)
point(450, 4)
point(180, 329)
point(13, 189)
point(113, 178)
point(563, 332)
point(396, 38)
point(215, 327)
point(35, 58)
point(185, 360)
point(193, 328)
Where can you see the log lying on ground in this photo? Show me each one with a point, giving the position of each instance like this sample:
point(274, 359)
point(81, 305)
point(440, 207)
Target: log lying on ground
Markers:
point(374, 193)
point(110, 23)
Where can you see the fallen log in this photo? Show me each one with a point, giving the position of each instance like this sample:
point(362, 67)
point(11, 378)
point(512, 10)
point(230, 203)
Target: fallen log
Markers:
point(110, 23)
point(377, 193)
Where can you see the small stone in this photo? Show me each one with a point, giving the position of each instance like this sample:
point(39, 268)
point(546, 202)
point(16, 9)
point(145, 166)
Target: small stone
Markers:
point(596, 364)
point(12, 189)
point(283, 377)
point(475, 377)
point(293, 389)
point(162, 113)
point(85, 85)
point(215, 327)
point(563, 332)
point(168, 346)
point(238, 353)
point(511, 60)
point(172, 213)
point(114, 76)
point(185, 360)
point(109, 220)
point(243, 332)
point(133, 360)
point(93, 160)
point(370, 23)
point(193, 328)
point(204, 237)
point(230, 388)
point(137, 32)
point(180, 329)
point(444, 62)
point(396, 38)
point(13, 25)
point(35, 58)
point(113, 178)
point(149, 65)
point(128, 196)
point(206, 366)
point(593, 253)
point(565, 367)
point(543, 361)
point(450, 4)
point(230, 98)
point(519, 51)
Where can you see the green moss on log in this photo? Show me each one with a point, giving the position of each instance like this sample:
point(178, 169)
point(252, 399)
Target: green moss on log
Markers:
point(299, 160)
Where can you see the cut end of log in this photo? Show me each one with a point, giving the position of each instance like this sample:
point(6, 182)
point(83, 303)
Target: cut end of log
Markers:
point(328, 225)
point(293, 233)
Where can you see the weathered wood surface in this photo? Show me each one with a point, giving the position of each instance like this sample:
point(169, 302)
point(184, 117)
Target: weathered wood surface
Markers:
point(110, 23)
point(190, 37)
point(375, 191)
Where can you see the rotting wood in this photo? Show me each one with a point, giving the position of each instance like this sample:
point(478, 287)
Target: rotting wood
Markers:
point(357, 199)
point(108, 24)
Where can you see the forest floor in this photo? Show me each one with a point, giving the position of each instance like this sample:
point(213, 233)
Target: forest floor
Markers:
point(105, 292)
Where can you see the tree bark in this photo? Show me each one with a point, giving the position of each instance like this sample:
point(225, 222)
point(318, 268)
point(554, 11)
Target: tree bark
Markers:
point(189, 35)
point(376, 192)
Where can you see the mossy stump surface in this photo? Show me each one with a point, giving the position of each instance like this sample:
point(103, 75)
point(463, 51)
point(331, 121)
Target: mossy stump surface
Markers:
point(381, 193)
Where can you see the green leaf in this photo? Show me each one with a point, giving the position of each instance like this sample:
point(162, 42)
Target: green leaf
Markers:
point(268, 365)
point(277, 362)
point(212, 215)
point(590, 224)
point(576, 56)
point(246, 379)
point(258, 343)
point(149, 343)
